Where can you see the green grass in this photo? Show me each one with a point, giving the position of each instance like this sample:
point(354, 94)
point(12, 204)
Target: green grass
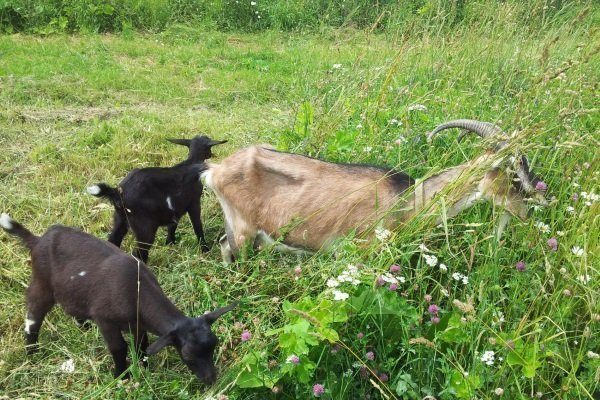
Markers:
point(81, 109)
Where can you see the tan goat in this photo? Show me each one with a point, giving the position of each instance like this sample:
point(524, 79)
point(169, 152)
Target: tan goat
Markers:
point(299, 203)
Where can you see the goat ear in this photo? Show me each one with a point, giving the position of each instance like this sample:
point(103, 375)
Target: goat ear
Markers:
point(160, 343)
point(216, 142)
point(183, 142)
point(214, 315)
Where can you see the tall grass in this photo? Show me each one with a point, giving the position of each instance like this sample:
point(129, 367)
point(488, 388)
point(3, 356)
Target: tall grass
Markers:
point(84, 108)
point(52, 16)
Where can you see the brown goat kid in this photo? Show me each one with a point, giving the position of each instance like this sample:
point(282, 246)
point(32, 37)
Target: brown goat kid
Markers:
point(94, 279)
point(305, 204)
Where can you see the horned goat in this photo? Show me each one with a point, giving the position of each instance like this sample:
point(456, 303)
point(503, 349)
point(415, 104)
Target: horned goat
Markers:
point(297, 203)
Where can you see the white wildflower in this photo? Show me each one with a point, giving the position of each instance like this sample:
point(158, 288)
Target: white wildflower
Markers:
point(402, 279)
point(542, 227)
point(499, 391)
point(382, 234)
point(417, 107)
point(401, 140)
point(424, 248)
point(585, 279)
point(443, 267)
point(465, 280)
point(591, 354)
point(252, 3)
point(571, 210)
point(445, 292)
point(336, 66)
point(457, 276)
point(339, 295)
point(488, 357)
point(578, 251)
point(430, 259)
point(389, 278)
point(68, 367)
point(359, 126)
point(560, 233)
point(357, 364)
point(347, 373)
point(332, 283)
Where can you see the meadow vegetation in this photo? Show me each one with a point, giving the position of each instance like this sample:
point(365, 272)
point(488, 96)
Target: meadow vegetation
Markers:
point(441, 311)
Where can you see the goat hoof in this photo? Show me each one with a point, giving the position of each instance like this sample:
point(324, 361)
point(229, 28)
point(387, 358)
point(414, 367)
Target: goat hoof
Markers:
point(32, 349)
point(123, 375)
point(82, 323)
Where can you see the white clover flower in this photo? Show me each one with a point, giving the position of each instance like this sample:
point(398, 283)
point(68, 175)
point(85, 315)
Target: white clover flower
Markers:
point(430, 259)
point(417, 107)
point(585, 279)
point(457, 276)
point(542, 227)
point(591, 354)
point(499, 391)
point(339, 295)
point(352, 269)
point(577, 251)
point(389, 278)
point(570, 210)
point(382, 234)
point(488, 357)
point(336, 66)
point(332, 283)
point(443, 267)
point(68, 367)
point(401, 140)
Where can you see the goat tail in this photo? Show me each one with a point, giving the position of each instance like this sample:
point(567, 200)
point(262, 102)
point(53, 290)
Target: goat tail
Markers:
point(14, 228)
point(103, 190)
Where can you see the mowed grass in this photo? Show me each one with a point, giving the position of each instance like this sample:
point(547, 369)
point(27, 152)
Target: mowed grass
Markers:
point(77, 110)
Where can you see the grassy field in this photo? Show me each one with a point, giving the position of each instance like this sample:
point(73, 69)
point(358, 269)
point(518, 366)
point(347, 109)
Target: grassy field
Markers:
point(80, 109)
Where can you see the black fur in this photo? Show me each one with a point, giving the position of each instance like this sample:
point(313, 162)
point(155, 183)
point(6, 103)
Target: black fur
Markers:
point(93, 279)
point(141, 202)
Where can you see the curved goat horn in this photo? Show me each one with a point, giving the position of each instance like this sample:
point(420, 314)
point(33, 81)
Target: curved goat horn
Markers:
point(483, 129)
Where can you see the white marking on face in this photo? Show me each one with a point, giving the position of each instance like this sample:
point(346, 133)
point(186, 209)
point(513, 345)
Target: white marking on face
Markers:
point(28, 324)
point(93, 190)
point(169, 204)
point(82, 273)
point(6, 221)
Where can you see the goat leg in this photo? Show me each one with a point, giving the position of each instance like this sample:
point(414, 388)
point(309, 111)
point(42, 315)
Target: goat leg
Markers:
point(39, 302)
point(141, 345)
point(119, 229)
point(194, 213)
point(116, 345)
point(145, 234)
point(171, 228)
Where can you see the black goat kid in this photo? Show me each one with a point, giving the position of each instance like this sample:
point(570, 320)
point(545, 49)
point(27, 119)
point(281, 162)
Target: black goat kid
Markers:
point(148, 198)
point(94, 279)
